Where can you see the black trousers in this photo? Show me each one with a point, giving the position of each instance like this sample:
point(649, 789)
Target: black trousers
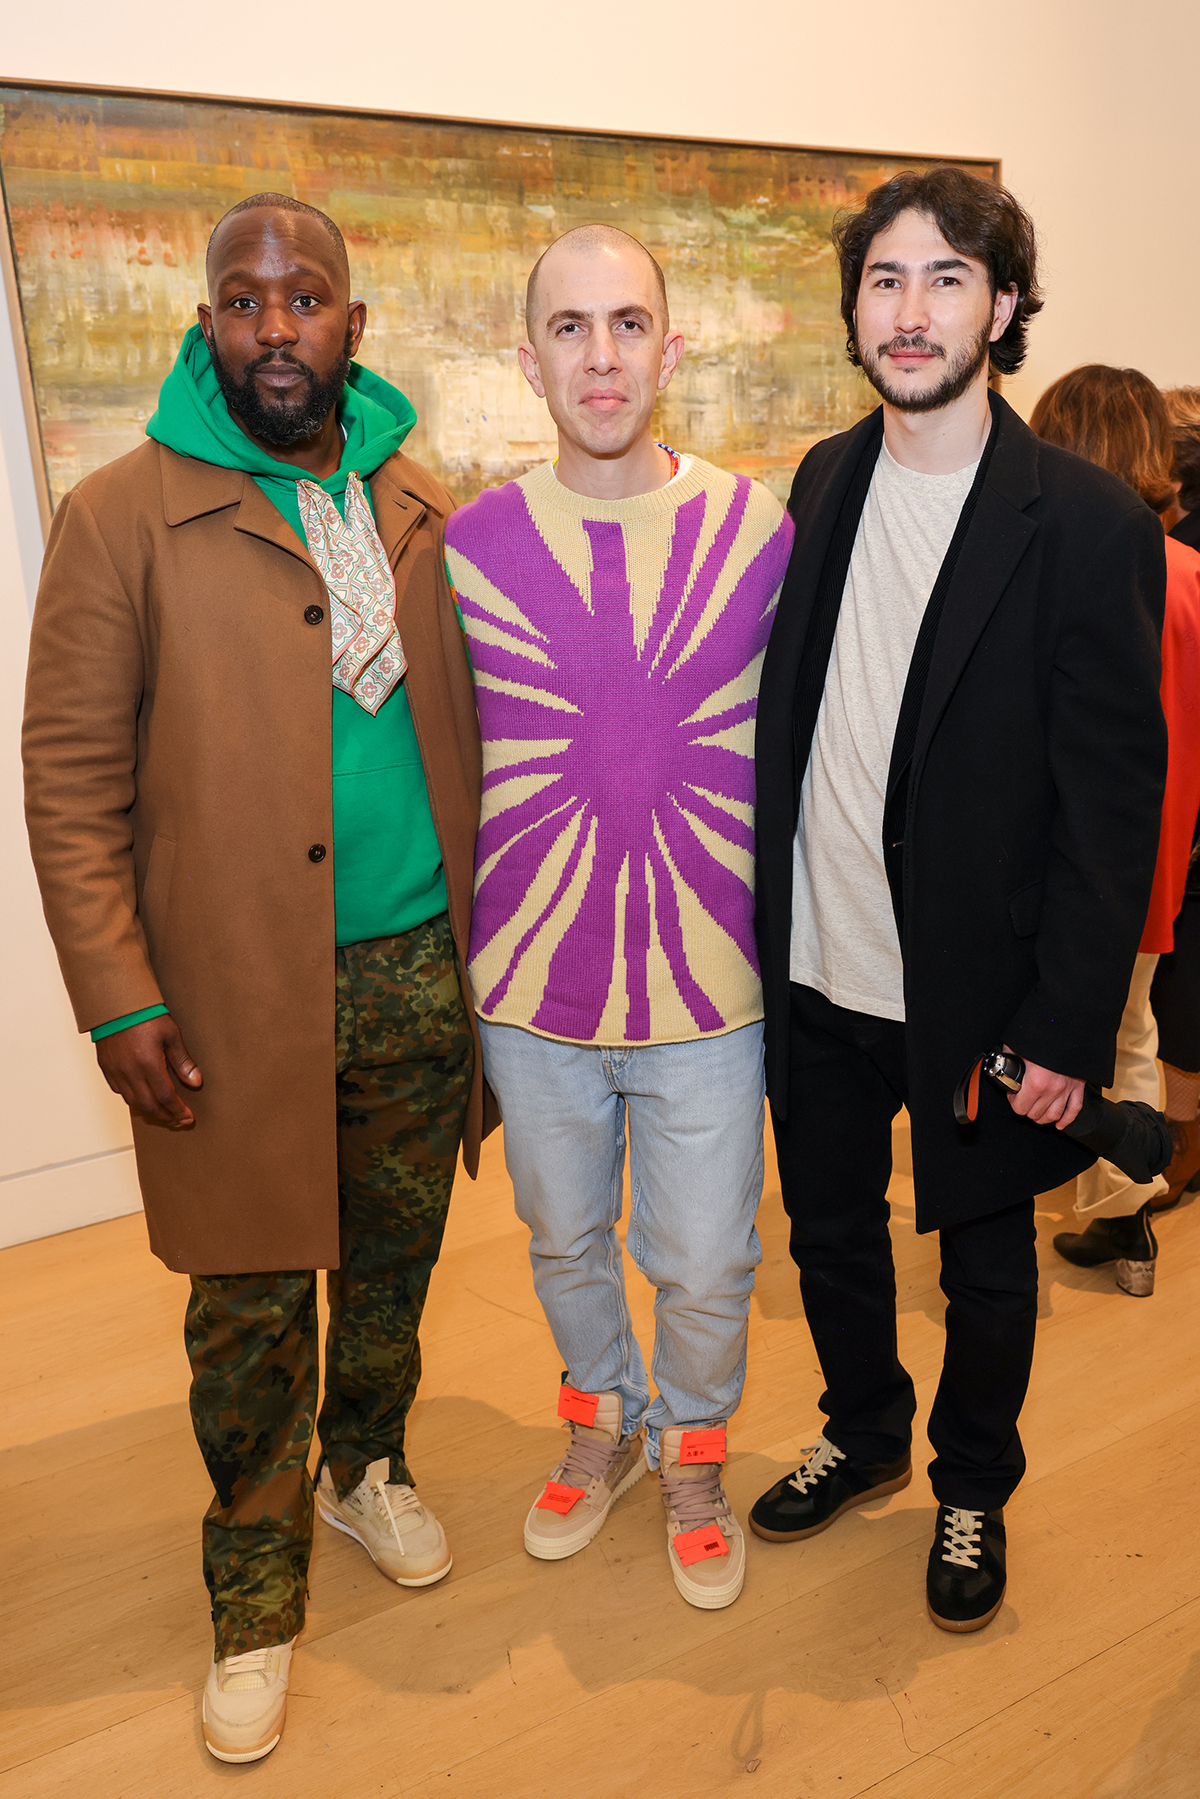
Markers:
point(847, 1082)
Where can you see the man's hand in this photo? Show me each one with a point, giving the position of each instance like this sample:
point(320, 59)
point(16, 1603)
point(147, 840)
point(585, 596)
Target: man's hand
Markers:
point(139, 1063)
point(1046, 1098)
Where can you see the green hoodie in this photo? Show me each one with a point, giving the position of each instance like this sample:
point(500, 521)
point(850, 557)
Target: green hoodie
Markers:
point(387, 865)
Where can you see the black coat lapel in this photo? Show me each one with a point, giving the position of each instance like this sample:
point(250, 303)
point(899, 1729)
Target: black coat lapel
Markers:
point(998, 537)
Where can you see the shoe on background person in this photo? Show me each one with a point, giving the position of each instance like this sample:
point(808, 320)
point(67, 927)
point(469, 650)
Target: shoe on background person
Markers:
point(967, 1575)
point(244, 1707)
point(825, 1485)
point(399, 1533)
point(1129, 1242)
point(599, 1466)
point(704, 1540)
point(1182, 1169)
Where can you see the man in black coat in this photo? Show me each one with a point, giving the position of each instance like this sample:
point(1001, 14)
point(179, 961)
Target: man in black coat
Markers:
point(961, 757)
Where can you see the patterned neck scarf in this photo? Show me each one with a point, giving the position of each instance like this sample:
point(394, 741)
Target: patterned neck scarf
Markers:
point(368, 657)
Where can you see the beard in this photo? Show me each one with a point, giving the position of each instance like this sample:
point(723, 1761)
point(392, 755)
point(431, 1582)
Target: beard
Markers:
point(959, 373)
point(289, 419)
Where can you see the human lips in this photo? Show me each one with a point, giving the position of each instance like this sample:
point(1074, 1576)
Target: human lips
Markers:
point(280, 374)
point(603, 399)
point(911, 355)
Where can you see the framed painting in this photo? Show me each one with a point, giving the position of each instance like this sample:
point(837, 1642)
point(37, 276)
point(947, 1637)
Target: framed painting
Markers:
point(110, 199)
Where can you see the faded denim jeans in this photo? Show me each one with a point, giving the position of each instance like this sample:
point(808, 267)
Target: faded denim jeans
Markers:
point(694, 1115)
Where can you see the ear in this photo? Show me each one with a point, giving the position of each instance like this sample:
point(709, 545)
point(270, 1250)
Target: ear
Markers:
point(527, 357)
point(671, 352)
point(204, 315)
point(1002, 312)
point(357, 318)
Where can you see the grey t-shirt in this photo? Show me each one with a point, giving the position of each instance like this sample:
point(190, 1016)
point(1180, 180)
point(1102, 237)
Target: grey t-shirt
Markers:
point(844, 939)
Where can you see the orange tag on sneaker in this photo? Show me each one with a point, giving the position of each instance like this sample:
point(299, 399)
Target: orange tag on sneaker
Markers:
point(577, 1407)
point(700, 1545)
point(558, 1498)
point(701, 1446)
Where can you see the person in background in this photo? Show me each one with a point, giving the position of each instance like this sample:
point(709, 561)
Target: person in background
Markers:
point(1182, 518)
point(617, 602)
point(1175, 995)
point(1117, 419)
point(252, 787)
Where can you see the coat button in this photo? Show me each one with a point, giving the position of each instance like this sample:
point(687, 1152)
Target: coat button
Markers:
point(313, 614)
point(317, 853)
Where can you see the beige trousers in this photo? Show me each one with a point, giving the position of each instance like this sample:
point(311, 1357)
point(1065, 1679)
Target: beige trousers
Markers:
point(1103, 1191)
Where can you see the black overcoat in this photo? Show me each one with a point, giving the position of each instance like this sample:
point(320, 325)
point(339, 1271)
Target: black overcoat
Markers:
point(1033, 803)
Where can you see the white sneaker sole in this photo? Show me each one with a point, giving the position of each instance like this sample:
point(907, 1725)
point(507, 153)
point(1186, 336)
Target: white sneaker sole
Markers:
point(557, 1549)
point(420, 1580)
point(238, 1755)
point(707, 1599)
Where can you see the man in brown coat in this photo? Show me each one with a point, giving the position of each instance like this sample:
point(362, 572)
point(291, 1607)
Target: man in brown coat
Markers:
point(260, 899)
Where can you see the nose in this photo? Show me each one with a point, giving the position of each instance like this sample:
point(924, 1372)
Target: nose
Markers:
point(605, 357)
point(276, 327)
point(912, 313)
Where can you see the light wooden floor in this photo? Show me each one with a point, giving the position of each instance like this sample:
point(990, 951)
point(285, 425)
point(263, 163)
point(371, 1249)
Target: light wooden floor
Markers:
point(590, 1677)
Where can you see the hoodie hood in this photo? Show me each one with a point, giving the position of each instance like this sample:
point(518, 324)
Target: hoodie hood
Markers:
point(193, 419)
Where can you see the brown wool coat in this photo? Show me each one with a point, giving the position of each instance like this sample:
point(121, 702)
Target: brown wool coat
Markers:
point(178, 770)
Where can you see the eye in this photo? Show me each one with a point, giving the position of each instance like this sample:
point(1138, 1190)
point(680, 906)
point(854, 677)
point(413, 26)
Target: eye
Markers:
point(947, 280)
point(570, 326)
point(306, 301)
point(243, 303)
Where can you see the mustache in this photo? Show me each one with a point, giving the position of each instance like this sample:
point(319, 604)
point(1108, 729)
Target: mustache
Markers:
point(274, 359)
point(911, 343)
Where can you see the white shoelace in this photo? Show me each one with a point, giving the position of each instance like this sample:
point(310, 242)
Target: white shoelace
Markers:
point(406, 1502)
point(819, 1458)
point(961, 1544)
point(248, 1673)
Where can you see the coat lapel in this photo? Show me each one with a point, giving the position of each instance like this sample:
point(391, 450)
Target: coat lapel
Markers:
point(999, 535)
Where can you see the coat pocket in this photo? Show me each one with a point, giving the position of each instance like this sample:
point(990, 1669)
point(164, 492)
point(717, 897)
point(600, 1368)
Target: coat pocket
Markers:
point(1025, 909)
point(156, 889)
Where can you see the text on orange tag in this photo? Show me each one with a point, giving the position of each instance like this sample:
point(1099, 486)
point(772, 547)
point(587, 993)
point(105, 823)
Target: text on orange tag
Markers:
point(700, 1545)
point(701, 1446)
point(577, 1407)
point(558, 1498)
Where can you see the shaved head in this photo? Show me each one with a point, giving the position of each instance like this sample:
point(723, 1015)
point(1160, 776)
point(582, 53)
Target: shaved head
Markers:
point(589, 238)
point(284, 203)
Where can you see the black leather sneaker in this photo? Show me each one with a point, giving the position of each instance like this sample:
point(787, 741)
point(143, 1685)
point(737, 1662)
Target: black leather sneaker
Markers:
point(964, 1588)
point(825, 1485)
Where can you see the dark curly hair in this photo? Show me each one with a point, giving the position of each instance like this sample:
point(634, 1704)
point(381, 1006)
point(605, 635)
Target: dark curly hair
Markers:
point(976, 218)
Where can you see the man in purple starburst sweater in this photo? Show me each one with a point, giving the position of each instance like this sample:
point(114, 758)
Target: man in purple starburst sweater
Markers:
point(617, 603)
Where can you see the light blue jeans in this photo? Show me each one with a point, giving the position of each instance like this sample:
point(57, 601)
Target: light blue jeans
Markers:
point(695, 1120)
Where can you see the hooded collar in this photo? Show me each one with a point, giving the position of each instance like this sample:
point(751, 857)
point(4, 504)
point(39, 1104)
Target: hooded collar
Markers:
point(193, 419)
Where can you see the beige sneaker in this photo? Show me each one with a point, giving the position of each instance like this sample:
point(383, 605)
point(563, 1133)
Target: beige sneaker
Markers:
point(598, 1467)
point(400, 1535)
point(704, 1539)
point(244, 1706)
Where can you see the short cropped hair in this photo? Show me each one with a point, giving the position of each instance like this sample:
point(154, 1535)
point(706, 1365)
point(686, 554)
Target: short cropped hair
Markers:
point(1116, 418)
point(1183, 410)
point(976, 218)
point(587, 237)
point(281, 203)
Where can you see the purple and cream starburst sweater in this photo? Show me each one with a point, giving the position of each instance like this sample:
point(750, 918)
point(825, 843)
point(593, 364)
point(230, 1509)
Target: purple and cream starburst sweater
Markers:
point(617, 646)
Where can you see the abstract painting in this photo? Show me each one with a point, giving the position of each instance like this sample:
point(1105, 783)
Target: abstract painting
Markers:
point(110, 199)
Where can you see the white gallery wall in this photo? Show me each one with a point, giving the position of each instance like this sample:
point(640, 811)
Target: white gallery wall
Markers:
point(1090, 107)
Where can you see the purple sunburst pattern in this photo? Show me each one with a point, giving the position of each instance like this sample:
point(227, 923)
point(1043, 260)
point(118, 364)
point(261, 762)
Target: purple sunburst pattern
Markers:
point(614, 868)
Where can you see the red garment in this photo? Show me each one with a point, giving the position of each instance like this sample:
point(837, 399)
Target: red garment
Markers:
point(1181, 704)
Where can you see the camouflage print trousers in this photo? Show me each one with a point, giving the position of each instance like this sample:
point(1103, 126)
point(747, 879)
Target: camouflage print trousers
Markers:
point(404, 1065)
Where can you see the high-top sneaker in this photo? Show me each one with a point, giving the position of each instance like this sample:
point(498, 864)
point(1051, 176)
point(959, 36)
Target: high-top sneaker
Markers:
point(1129, 1242)
point(826, 1484)
point(704, 1539)
point(244, 1707)
point(600, 1465)
point(964, 1585)
point(401, 1536)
